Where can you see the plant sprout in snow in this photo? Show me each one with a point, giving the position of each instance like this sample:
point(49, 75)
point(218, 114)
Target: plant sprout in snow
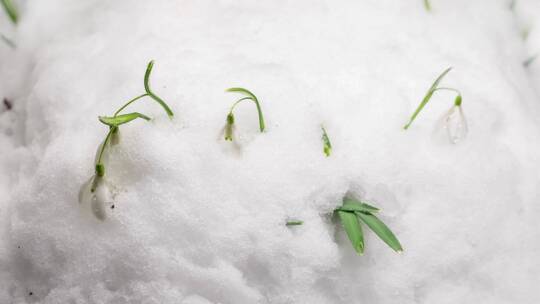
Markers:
point(98, 189)
point(11, 11)
point(327, 146)
point(230, 126)
point(530, 60)
point(352, 213)
point(294, 223)
point(454, 120)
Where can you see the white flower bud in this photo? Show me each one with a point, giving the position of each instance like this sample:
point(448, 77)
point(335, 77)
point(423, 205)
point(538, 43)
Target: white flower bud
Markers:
point(97, 195)
point(455, 124)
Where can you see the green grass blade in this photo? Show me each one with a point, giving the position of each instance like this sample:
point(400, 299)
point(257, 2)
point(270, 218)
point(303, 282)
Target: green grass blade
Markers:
point(427, 5)
point(121, 119)
point(381, 230)
point(427, 97)
point(294, 223)
point(350, 204)
point(149, 91)
point(255, 100)
point(11, 11)
point(352, 227)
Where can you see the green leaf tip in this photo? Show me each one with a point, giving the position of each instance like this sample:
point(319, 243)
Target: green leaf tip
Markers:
point(11, 11)
point(294, 223)
point(353, 205)
point(151, 93)
point(327, 145)
point(427, 5)
point(252, 97)
point(115, 121)
point(427, 97)
point(381, 230)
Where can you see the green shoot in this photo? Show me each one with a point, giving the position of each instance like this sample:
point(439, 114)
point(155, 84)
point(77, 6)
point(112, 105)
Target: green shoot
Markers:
point(294, 223)
point(427, 5)
point(248, 96)
point(351, 212)
point(327, 146)
point(530, 60)
point(113, 122)
point(11, 11)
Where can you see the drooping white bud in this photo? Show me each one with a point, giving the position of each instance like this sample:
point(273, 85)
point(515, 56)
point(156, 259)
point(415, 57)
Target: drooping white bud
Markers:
point(455, 124)
point(97, 195)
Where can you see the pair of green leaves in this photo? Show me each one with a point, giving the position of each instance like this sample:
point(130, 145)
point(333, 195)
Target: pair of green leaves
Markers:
point(352, 212)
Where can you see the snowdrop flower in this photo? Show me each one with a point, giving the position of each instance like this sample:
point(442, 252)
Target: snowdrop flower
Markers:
point(455, 122)
point(96, 193)
point(229, 127)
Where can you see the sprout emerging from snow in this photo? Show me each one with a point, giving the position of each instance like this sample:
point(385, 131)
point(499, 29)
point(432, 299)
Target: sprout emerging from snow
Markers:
point(327, 146)
point(294, 223)
point(97, 189)
point(230, 127)
point(11, 11)
point(350, 213)
point(454, 119)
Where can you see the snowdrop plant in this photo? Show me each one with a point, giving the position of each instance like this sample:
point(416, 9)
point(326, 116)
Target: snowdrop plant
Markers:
point(454, 120)
point(11, 11)
point(327, 146)
point(352, 213)
point(97, 190)
point(230, 126)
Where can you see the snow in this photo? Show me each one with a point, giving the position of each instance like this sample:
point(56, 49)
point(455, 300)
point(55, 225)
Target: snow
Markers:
point(198, 219)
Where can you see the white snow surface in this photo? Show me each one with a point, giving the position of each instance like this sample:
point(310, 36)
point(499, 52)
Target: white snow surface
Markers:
point(201, 220)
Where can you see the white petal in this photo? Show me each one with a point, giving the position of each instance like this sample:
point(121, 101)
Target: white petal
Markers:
point(456, 124)
point(101, 198)
point(84, 192)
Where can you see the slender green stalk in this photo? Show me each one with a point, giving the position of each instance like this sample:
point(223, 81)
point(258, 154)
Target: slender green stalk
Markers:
point(129, 102)
point(100, 168)
point(11, 11)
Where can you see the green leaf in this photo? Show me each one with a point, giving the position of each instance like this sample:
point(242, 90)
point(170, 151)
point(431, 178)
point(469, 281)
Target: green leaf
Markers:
point(353, 229)
point(428, 96)
point(381, 230)
point(11, 11)
point(255, 100)
point(350, 205)
point(327, 146)
point(149, 91)
point(121, 119)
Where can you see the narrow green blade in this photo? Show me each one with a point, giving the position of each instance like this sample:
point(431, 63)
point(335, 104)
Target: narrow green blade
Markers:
point(327, 145)
point(427, 97)
point(151, 93)
point(121, 119)
point(350, 223)
point(350, 204)
point(381, 230)
point(242, 91)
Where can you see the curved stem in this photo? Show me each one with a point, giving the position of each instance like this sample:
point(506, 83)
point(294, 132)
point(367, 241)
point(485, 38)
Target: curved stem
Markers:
point(11, 11)
point(105, 142)
point(448, 89)
point(128, 103)
point(237, 102)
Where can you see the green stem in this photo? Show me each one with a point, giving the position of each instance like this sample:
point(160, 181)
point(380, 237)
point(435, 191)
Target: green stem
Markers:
point(448, 89)
point(237, 102)
point(128, 103)
point(11, 11)
point(105, 142)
